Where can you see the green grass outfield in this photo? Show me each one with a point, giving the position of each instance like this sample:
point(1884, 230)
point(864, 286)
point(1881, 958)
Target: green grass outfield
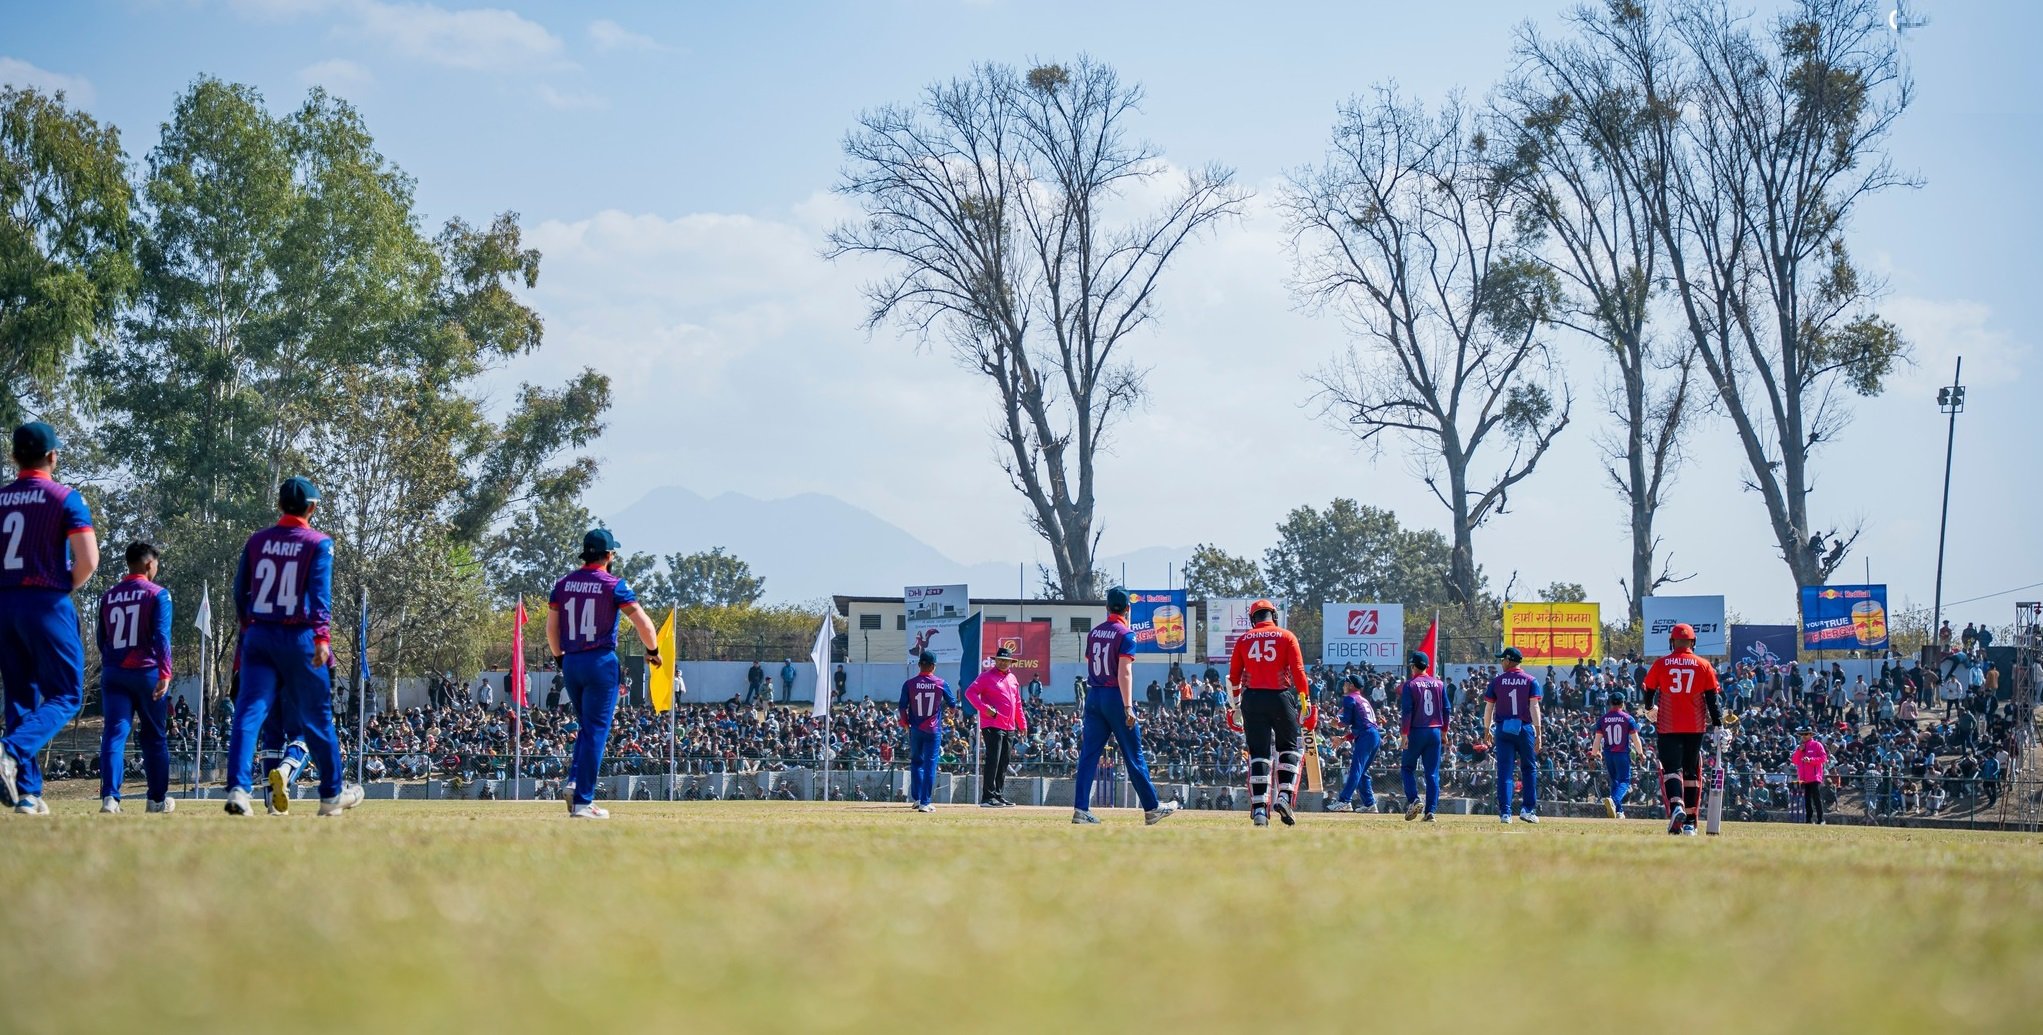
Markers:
point(790, 917)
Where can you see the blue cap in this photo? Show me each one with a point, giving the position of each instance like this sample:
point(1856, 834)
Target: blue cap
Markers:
point(35, 440)
point(1419, 658)
point(296, 492)
point(927, 660)
point(1511, 654)
point(1117, 599)
point(599, 540)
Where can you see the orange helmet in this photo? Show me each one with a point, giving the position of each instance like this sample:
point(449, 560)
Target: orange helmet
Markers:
point(1682, 631)
point(1260, 606)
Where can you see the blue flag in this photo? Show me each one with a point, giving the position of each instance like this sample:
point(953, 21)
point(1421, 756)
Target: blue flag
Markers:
point(969, 632)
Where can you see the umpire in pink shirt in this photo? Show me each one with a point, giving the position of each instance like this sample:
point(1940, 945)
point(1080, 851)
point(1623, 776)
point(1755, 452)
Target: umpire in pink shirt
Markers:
point(997, 698)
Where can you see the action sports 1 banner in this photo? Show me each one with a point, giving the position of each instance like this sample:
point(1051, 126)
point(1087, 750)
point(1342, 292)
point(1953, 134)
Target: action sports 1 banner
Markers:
point(1226, 619)
point(934, 614)
point(1158, 618)
point(1844, 617)
point(1363, 634)
point(1705, 614)
point(1554, 634)
point(1763, 646)
point(1030, 642)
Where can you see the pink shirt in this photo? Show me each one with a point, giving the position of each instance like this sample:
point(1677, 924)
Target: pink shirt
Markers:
point(997, 696)
point(1810, 759)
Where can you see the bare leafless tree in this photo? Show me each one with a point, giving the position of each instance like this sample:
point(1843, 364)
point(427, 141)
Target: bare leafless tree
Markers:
point(1579, 123)
point(1760, 146)
point(1413, 231)
point(997, 202)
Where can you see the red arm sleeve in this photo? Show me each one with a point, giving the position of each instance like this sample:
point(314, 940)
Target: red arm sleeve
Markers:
point(1296, 663)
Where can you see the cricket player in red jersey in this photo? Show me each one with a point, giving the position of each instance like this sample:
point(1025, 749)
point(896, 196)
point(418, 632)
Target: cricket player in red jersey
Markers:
point(1681, 703)
point(1268, 675)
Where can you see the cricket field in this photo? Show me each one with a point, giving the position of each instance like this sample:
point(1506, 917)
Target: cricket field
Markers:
point(793, 917)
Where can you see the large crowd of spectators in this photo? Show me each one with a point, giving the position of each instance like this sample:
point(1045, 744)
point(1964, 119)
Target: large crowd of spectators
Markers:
point(1912, 740)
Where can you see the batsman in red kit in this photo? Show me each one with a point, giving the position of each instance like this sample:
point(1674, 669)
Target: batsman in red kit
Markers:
point(1681, 703)
point(1268, 673)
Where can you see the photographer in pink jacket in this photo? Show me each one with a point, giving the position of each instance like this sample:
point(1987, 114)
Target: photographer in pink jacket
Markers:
point(997, 698)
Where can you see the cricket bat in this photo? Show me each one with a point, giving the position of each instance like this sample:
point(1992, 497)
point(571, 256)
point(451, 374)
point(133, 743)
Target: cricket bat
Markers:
point(1716, 804)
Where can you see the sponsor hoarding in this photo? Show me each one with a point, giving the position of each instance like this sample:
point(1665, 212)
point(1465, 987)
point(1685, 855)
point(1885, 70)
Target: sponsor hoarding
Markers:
point(1363, 634)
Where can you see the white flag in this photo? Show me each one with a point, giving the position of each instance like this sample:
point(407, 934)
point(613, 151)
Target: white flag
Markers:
point(821, 656)
point(205, 618)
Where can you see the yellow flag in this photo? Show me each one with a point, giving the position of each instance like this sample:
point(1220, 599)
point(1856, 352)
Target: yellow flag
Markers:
point(660, 678)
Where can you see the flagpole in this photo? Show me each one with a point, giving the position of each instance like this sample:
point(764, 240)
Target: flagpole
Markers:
point(361, 681)
point(199, 750)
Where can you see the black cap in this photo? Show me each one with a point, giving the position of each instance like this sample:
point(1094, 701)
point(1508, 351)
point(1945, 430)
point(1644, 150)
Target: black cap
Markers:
point(927, 660)
point(599, 540)
point(1511, 654)
point(1117, 599)
point(1419, 658)
point(1352, 680)
point(1003, 654)
point(296, 493)
point(35, 440)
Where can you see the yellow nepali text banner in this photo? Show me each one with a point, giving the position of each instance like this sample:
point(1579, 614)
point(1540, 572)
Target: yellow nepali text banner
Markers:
point(1554, 634)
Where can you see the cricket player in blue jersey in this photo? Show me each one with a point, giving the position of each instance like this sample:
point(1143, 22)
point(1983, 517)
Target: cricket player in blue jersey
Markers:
point(133, 634)
point(1364, 738)
point(925, 700)
point(1511, 714)
point(581, 631)
point(1617, 733)
point(1110, 712)
point(1422, 708)
point(283, 596)
point(47, 551)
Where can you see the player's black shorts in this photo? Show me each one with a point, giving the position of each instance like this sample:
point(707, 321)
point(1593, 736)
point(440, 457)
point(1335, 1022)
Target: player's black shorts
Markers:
point(1269, 721)
point(1682, 753)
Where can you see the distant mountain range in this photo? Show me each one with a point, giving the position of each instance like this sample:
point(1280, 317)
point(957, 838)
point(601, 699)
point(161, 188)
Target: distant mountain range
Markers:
point(815, 545)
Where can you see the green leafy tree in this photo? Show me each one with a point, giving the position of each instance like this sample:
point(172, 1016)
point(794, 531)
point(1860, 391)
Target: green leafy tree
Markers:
point(710, 579)
point(1564, 593)
point(66, 239)
point(1351, 552)
point(1213, 572)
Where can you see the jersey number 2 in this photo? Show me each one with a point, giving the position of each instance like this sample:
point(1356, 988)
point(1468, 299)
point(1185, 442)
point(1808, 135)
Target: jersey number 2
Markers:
point(12, 527)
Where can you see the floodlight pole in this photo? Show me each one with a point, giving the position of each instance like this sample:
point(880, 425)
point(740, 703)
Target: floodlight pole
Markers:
point(1952, 401)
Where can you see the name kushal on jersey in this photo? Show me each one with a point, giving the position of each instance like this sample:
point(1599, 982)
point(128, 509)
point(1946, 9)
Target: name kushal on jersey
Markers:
point(22, 496)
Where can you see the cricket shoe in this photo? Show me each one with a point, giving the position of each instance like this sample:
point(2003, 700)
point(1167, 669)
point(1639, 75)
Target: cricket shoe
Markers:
point(1610, 809)
point(925, 807)
point(1529, 817)
point(589, 811)
point(238, 803)
point(1688, 831)
point(1339, 806)
point(166, 805)
point(1161, 812)
point(989, 804)
point(109, 806)
point(1506, 817)
point(1676, 819)
point(1082, 818)
point(1428, 818)
point(279, 796)
point(1259, 816)
point(1412, 810)
point(10, 772)
point(1283, 808)
point(350, 796)
point(31, 805)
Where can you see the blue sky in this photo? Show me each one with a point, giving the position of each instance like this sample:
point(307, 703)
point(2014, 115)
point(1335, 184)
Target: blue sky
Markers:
point(674, 162)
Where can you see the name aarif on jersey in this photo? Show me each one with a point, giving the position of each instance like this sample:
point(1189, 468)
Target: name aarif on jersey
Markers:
point(282, 548)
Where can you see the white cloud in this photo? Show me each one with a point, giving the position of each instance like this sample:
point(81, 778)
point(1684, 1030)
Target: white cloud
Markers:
point(475, 39)
point(1940, 330)
point(337, 75)
point(608, 35)
point(570, 100)
point(15, 72)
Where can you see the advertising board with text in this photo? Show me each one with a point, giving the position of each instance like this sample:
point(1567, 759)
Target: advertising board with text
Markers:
point(1363, 634)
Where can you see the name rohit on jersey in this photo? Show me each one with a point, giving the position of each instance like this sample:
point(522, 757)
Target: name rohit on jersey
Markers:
point(21, 496)
point(282, 548)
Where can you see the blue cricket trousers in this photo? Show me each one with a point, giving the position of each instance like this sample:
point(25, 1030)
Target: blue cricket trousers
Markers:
point(1516, 748)
point(42, 664)
point(1422, 746)
point(592, 680)
point(129, 695)
point(277, 674)
point(1618, 766)
point(1361, 753)
point(1105, 717)
point(922, 746)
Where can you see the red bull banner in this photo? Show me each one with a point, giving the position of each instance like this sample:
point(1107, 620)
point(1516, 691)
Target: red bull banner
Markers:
point(1844, 617)
point(1554, 634)
point(1030, 642)
point(1158, 619)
